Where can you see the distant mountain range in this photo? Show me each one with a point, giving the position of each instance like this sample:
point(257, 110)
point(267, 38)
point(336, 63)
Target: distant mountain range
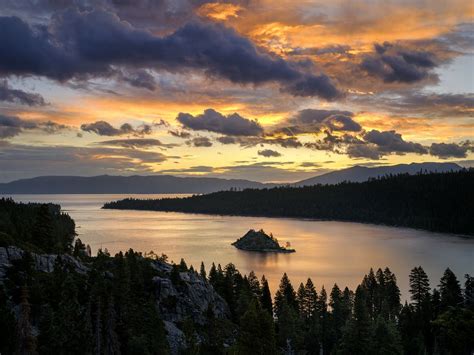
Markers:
point(362, 173)
point(106, 184)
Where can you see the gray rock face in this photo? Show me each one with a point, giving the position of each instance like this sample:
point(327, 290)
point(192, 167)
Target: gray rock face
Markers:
point(175, 337)
point(43, 262)
point(191, 298)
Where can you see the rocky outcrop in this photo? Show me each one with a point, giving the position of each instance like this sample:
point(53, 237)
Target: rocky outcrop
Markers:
point(42, 262)
point(260, 241)
point(190, 298)
point(183, 296)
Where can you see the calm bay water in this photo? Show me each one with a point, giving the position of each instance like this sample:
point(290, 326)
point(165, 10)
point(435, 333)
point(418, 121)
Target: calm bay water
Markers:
point(326, 251)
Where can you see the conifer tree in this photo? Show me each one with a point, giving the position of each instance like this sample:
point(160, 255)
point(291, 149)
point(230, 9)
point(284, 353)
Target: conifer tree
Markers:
point(419, 286)
point(266, 297)
point(450, 291)
point(356, 335)
point(385, 338)
point(202, 271)
point(469, 292)
point(257, 332)
point(285, 293)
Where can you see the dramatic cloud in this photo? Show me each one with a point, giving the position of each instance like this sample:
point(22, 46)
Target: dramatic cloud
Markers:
point(268, 153)
point(137, 143)
point(392, 142)
point(363, 151)
point(213, 121)
point(314, 121)
point(19, 96)
point(103, 128)
point(448, 150)
point(11, 126)
point(394, 64)
point(140, 79)
point(80, 44)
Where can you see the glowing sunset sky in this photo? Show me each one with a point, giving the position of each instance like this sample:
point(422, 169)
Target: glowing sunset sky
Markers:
point(257, 89)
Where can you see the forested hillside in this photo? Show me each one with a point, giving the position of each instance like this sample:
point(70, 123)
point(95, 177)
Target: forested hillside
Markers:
point(38, 227)
point(441, 202)
point(134, 303)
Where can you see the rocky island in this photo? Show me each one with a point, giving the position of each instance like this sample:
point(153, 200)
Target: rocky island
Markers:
point(260, 241)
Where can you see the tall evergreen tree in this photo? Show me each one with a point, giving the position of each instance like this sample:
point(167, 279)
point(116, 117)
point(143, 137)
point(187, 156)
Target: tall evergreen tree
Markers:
point(266, 296)
point(469, 292)
point(385, 338)
point(285, 293)
point(419, 286)
point(257, 332)
point(450, 291)
point(356, 335)
point(202, 271)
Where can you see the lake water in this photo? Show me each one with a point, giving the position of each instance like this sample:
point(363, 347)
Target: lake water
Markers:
point(326, 251)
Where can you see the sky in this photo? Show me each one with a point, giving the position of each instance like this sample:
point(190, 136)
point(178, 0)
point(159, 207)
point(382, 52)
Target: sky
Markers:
point(271, 91)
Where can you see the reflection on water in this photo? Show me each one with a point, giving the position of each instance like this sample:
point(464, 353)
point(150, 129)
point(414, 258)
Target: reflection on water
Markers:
point(328, 252)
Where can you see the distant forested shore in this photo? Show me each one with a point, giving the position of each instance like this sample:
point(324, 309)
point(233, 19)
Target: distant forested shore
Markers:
point(441, 202)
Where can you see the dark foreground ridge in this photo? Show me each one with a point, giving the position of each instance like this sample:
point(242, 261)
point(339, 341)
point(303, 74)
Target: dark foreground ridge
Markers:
point(69, 302)
point(442, 202)
point(260, 241)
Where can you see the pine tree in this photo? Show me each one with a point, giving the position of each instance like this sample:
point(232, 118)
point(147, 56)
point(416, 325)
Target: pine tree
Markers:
point(254, 284)
point(43, 230)
point(310, 299)
point(419, 286)
point(300, 299)
point(338, 321)
point(202, 271)
point(356, 335)
point(392, 294)
point(450, 291)
point(369, 283)
point(112, 344)
point(213, 275)
point(257, 332)
point(385, 338)
point(285, 293)
point(266, 297)
point(469, 292)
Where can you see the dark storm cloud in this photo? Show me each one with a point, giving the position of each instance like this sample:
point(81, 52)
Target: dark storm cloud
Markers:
point(137, 143)
point(82, 44)
point(313, 85)
point(213, 121)
point(200, 142)
point(11, 126)
point(19, 96)
point(140, 79)
point(314, 121)
point(394, 64)
point(392, 142)
point(103, 128)
point(363, 151)
point(448, 150)
point(268, 153)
